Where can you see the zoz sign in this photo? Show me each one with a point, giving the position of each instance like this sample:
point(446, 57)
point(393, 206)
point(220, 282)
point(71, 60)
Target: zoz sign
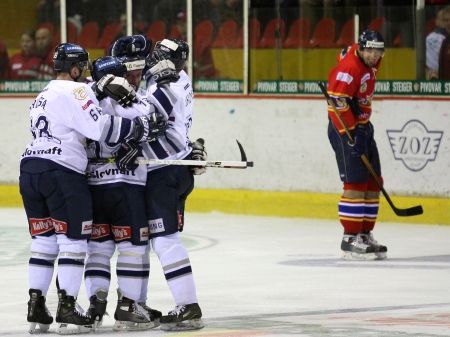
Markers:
point(414, 144)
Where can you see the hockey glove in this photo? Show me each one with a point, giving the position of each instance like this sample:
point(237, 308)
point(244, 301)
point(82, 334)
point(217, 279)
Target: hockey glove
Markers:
point(162, 71)
point(148, 128)
point(359, 145)
point(198, 153)
point(127, 155)
point(117, 88)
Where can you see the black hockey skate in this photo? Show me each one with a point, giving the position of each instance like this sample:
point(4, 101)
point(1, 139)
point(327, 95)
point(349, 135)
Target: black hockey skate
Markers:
point(97, 307)
point(38, 313)
point(183, 317)
point(129, 315)
point(71, 320)
point(155, 315)
point(380, 250)
point(354, 247)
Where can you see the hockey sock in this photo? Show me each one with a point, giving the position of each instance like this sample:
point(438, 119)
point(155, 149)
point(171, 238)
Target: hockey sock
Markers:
point(177, 269)
point(132, 269)
point(44, 251)
point(97, 274)
point(351, 208)
point(71, 263)
point(144, 287)
point(372, 205)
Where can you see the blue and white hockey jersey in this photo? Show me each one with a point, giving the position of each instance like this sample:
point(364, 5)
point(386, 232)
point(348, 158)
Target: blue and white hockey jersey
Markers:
point(178, 104)
point(62, 117)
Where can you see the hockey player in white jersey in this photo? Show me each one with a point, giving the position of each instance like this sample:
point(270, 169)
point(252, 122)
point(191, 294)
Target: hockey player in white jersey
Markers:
point(119, 200)
point(168, 187)
point(53, 185)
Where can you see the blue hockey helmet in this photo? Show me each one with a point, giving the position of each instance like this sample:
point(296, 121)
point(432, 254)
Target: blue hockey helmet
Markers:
point(67, 55)
point(174, 50)
point(371, 39)
point(132, 51)
point(107, 65)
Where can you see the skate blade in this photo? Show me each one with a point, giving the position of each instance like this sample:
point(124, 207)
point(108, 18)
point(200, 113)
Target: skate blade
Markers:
point(132, 326)
point(193, 324)
point(381, 256)
point(38, 328)
point(351, 256)
point(72, 329)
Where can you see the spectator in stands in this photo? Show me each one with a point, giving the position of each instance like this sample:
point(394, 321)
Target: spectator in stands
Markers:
point(25, 64)
point(434, 43)
point(4, 61)
point(44, 49)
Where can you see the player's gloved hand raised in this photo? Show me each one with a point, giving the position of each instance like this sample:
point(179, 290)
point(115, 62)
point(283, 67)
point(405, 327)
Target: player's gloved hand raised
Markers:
point(162, 71)
point(359, 146)
point(148, 128)
point(115, 87)
point(127, 155)
point(198, 153)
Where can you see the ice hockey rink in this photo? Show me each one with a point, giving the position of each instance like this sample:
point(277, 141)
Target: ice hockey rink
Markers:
point(267, 276)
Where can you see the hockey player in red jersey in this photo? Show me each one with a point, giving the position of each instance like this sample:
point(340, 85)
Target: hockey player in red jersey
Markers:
point(351, 85)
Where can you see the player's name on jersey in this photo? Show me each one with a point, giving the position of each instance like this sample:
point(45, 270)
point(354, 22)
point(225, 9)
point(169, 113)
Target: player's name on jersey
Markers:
point(21, 87)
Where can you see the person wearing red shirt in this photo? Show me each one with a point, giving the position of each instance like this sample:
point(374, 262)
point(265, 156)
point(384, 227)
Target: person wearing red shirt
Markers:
point(351, 85)
point(25, 64)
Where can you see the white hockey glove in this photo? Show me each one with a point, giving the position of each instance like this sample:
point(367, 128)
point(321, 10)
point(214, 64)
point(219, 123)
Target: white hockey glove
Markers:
point(148, 128)
point(115, 87)
point(162, 71)
point(198, 153)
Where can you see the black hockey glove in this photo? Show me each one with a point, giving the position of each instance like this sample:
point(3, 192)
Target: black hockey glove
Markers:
point(198, 153)
point(148, 128)
point(162, 71)
point(359, 146)
point(127, 155)
point(115, 87)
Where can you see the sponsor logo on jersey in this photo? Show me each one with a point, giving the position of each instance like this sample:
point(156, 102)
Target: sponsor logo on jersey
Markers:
point(86, 227)
point(54, 150)
point(143, 234)
point(85, 106)
point(156, 226)
point(100, 231)
point(121, 232)
point(60, 226)
point(414, 144)
point(40, 226)
point(99, 174)
point(80, 93)
point(344, 77)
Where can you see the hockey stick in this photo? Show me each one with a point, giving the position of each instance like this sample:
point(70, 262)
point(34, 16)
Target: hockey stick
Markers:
point(205, 163)
point(415, 210)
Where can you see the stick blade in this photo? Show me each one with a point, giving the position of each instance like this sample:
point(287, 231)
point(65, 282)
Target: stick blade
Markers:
point(241, 149)
point(412, 211)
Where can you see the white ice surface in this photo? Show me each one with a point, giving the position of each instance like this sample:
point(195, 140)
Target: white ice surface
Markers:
point(265, 276)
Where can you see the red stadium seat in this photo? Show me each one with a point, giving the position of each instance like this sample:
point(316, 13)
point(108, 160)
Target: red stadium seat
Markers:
point(109, 33)
point(299, 34)
point(89, 35)
point(175, 33)
point(156, 31)
point(376, 24)
point(227, 34)
point(254, 32)
point(346, 37)
point(324, 34)
point(72, 32)
point(203, 36)
point(276, 28)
